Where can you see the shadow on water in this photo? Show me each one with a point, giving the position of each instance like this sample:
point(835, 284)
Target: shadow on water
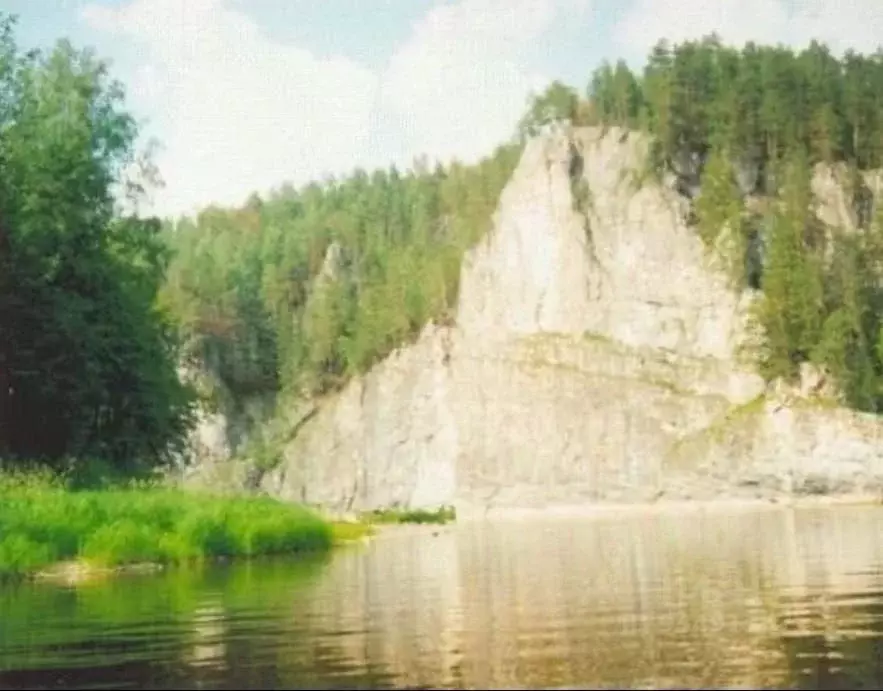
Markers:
point(836, 643)
point(214, 627)
point(762, 599)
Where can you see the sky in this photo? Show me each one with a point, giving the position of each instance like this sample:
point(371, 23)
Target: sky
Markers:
point(244, 95)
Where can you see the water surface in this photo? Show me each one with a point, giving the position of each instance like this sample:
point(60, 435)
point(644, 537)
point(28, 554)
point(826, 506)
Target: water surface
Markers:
point(769, 598)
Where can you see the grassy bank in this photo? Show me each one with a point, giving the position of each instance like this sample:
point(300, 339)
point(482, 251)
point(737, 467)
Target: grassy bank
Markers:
point(42, 522)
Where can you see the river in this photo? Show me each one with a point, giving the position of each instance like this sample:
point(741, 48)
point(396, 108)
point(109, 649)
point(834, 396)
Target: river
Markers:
point(774, 598)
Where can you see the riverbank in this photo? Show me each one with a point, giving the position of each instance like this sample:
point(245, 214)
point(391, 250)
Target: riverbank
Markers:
point(468, 513)
point(48, 529)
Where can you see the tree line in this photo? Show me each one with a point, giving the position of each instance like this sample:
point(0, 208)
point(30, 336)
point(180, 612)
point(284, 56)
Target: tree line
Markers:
point(293, 293)
point(757, 102)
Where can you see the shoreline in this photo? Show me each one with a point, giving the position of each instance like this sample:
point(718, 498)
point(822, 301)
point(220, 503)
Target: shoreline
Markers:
point(74, 572)
point(471, 514)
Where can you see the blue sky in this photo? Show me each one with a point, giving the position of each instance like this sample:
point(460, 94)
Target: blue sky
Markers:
point(246, 94)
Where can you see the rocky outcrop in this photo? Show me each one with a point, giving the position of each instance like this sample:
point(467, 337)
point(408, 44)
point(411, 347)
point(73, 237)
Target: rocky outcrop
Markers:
point(803, 447)
point(843, 201)
point(595, 357)
point(626, 265)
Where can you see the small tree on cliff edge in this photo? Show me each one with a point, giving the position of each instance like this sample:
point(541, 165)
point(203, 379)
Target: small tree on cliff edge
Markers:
point(559, 103)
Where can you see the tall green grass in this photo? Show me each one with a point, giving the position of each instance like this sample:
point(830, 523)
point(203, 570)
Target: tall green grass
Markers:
point(43, 521)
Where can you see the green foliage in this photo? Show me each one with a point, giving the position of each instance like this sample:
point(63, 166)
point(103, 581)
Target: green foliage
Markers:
point(43, 521)
point(792, 310)
point(822, 294)
point(302, 290)
point(266, 448)
point(760, 102)
point(87, 359)
point(848, 346)
point(559, 103)
point(719, 215)
point(615, 94)
point(718, 206)
point(445, 514)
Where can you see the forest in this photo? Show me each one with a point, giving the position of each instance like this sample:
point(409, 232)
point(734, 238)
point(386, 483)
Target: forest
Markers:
point(300, 289)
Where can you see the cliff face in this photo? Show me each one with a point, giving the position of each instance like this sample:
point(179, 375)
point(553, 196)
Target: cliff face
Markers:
point(594, 358)
point(624, 264)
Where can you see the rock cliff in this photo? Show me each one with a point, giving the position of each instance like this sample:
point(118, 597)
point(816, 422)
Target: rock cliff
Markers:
point(594, 358)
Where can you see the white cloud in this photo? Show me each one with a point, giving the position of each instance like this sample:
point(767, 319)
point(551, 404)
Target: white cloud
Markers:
point(238, 111)
point(456, 83)
point(845, 24)
point(460, 82)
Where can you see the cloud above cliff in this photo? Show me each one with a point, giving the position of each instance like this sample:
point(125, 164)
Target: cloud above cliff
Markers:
point(856, 24)
point(235, 110)
point(238, 110)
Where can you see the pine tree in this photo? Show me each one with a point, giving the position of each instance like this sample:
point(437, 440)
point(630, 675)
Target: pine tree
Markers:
point(791, 311)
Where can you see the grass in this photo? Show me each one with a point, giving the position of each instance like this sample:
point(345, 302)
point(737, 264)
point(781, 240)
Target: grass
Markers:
point(716, 432)
point(43, 522)
point(446, 514)
point(348, 531)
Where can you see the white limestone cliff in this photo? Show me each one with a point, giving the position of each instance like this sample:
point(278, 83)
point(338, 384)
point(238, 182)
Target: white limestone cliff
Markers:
point(594, 358)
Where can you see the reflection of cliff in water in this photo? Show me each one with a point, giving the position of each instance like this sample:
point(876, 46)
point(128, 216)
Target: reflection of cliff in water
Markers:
point(715, 599)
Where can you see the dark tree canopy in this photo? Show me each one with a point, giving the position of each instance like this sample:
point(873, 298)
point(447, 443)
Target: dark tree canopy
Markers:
point(87, 361)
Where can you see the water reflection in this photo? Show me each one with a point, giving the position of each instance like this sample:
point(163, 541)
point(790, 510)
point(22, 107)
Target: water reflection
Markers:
point(740, 599)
